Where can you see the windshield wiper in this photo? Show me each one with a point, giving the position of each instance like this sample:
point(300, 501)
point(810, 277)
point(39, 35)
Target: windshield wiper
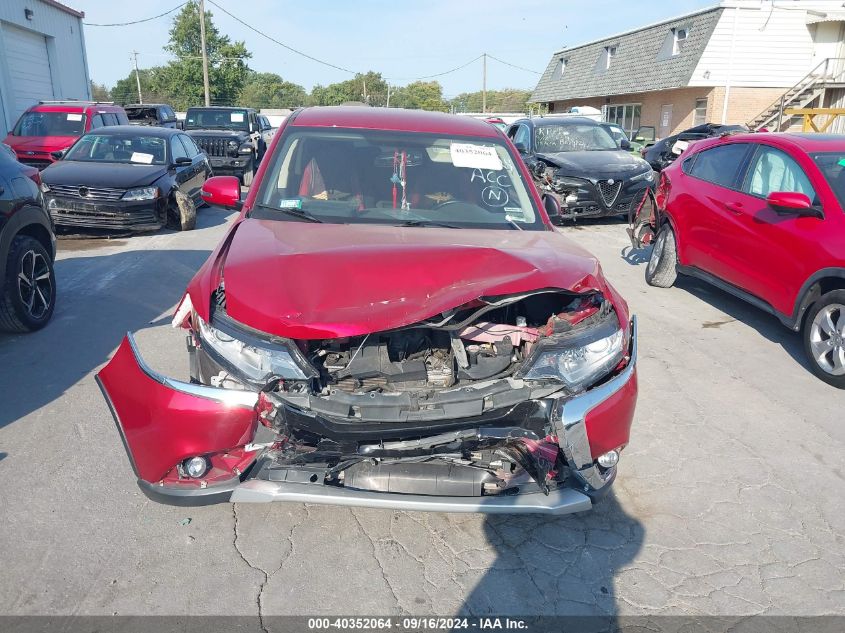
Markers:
point(297, 213)
point(428, 223)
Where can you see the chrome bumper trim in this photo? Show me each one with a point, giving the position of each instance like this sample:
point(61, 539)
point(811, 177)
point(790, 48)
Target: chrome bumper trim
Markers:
point(569, 420)
point(561, 501)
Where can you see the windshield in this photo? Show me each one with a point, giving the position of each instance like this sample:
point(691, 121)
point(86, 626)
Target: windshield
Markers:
point(617, 133)
point(50, 124)
point(201, 119)
point(119, 148)
point(142, 114)
point(572, 137)
point(832, 166)
point(399, 178)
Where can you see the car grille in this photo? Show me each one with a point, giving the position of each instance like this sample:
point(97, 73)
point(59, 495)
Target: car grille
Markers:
point(609, 192)
point(104, 217)
point(87, 193)
point(212, 146)
point(38, 163)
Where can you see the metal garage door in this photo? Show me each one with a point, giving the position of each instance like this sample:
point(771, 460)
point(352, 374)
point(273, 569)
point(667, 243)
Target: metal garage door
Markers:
point(29, 68)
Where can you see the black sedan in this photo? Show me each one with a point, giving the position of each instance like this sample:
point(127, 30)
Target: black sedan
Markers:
point(576, 160)
point(127, 178)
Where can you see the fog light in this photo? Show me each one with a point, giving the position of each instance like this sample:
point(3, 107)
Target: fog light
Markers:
point(608, 460)
point(196, 467)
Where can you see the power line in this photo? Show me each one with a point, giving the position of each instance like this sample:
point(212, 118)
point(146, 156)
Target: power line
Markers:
point(155, 17)
point(501, 61)
point(272, 39)
point(445, 72)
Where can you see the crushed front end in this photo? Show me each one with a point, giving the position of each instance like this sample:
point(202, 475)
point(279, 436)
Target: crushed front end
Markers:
point(514, 404)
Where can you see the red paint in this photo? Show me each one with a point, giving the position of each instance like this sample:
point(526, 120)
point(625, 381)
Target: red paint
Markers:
point(609, 424)
point(162, 426)
point(741, 239)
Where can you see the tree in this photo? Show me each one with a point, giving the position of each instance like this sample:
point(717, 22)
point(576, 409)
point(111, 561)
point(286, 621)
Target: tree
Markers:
point(506, 100)
point(422, 95)
point(370, 88)
point(99, 92)
point(268, 90)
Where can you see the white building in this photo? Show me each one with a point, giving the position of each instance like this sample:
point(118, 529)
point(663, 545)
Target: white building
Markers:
point(42, 56)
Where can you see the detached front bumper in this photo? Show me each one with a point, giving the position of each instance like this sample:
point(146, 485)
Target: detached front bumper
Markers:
point(146, 215)
point(164, 421)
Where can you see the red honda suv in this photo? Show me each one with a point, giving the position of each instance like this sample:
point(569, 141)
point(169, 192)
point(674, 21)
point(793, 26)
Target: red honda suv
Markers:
point(53, 126)
point(760, 216)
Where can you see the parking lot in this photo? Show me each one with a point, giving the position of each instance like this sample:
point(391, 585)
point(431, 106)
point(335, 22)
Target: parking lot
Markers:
point(729, 499)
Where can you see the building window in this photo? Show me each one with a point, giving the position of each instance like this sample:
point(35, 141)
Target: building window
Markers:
point(559, 69)
point(700, 112)
point(609, 54)
point(679, 37)
point(626, 115)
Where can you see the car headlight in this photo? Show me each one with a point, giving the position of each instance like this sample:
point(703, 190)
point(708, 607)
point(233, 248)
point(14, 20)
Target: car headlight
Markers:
point(142, 193)
point(578, 358)
point(44, 188)
point(246, 149)
point(569, 183)
point(646, 175)
point(257, 361)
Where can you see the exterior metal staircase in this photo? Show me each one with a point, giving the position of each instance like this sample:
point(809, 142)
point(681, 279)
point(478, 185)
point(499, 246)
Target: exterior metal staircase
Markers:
point(811, 87)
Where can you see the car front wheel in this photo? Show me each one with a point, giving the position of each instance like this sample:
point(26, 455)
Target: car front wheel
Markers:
point(824, 338)
point(29, 290)
point(662, 267)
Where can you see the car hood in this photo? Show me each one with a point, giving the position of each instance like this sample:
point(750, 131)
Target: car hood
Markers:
point(112, 175)
point(39, 143)
point(596, 164)
point(311, 281)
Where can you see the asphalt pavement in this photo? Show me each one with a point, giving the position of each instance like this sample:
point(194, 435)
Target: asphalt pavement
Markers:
point(728, 500)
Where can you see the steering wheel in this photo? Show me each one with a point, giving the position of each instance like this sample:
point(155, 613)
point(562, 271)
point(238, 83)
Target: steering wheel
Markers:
point(445, 203)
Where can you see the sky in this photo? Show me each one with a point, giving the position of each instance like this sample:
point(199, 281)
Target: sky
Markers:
point(402, 40)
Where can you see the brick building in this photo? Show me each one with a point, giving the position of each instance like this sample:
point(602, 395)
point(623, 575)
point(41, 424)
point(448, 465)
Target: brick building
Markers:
point(742, 61)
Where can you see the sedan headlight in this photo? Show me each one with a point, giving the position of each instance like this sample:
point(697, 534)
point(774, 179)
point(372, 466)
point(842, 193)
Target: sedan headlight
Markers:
point(142, 193)
point(579, 358)
point(257, 361)
point(647, 175)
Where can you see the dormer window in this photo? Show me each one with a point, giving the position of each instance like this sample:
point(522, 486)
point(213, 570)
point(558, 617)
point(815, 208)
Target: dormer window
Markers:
point(679, 37)
point(609, 54)
point(560, 68)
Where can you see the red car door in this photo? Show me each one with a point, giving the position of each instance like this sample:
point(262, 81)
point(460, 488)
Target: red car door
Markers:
point(703, 206)
point(773, 253)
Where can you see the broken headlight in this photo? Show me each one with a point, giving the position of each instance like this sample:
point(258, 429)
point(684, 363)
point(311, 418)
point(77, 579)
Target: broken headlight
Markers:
point(258, 361)
point(142, 193)
point(647, 175)
point(578, 358)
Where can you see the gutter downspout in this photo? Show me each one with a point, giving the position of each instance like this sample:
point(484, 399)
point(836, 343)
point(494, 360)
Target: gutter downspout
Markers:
point(730, 68)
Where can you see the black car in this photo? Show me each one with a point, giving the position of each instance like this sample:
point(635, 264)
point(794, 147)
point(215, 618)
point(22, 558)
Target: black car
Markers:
point(27, 249)
point(159, 114)
point(660, 154)
point(231, 137)
point(127, 178)
point(577, 161)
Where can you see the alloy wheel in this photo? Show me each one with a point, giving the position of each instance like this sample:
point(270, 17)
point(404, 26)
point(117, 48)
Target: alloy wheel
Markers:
point(35, 284)
point(827, 339)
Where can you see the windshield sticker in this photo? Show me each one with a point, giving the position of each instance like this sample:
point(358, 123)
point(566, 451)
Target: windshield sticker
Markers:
point(494, 196)
point(489, 177)
point(236, 117)
point(516, 214)
point(140, 157)
point(841, 162)
point(74, 117)
point(293, 203)
point(475, 156)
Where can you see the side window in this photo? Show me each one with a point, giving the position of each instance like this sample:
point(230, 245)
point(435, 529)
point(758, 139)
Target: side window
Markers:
point(522, 135)
point(190, 147)
point(686, 166)
point(110, 118)
point(773, 170)
point(177, 150)
point(97, 121)
point(122, 119)
point(720, 165)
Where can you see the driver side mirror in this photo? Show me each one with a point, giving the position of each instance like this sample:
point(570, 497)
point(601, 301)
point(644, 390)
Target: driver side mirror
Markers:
point(625, 144)
point(182, 160)
point(520, 147)
point(222, 191)
point(793, 203)
point(552, 207)
point(58, 154)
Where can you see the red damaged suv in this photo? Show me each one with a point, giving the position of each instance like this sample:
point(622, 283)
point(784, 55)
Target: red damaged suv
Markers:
point(761, 217)
point(391, 322)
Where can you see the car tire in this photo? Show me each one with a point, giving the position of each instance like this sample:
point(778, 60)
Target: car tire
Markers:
point(824, 338)
point(182, 214)
point(29, 289)
point(662, 267)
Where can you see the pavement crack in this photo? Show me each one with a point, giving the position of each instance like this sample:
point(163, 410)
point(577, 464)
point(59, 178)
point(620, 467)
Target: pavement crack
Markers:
point(255, 567)
point(378, 560)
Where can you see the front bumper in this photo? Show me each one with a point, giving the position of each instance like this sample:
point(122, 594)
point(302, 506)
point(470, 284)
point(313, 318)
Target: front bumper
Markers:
point(164, 421)
point(143, 215)
point(587, 201)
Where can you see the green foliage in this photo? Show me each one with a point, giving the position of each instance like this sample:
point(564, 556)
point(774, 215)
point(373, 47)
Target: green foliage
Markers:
point(368, 88)
point(268, 90)
point(506, 100)
point(99, 92)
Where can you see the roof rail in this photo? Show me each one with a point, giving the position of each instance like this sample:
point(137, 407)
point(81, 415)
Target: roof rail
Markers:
point(73, 101)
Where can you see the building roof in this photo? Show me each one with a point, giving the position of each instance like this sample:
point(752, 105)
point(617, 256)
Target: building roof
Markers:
point(65, 8)
point(643, 61)
point(394, 119)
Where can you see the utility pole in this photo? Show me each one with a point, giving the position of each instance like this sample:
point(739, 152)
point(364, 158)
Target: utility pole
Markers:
point(137, 76)
point(484, 83)
point(204, 52)
point(388, 96)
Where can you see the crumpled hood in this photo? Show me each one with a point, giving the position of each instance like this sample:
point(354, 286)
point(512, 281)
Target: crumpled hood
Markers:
point(311, 281)
point(597, 164)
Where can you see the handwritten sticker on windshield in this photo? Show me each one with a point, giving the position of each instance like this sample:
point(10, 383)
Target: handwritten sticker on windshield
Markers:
point(74, 117)
point(475, 156)
point(236, 117)
point(140, 157)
